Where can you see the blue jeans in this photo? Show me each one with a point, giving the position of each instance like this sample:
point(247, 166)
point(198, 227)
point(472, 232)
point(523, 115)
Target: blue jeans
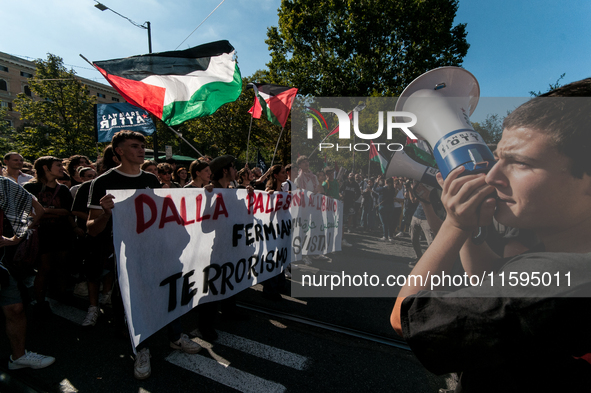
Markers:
point(366, 217)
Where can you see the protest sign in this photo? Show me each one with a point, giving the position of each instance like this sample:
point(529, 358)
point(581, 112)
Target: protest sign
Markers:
point(112, 118)
point(177, 248)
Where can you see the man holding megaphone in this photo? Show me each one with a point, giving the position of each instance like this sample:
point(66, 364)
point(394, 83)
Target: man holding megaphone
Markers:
point(519, 324)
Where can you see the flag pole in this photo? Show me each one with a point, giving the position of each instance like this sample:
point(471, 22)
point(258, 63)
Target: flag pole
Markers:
point(368, 165)
point(277, 145)
point(248, 140)
point(184, 140)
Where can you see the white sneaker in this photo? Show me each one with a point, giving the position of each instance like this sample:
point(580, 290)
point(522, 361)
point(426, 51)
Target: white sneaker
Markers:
point(30, 359)
point(91, 316)
point(186, 345)
point(105, 299)
point(384, 239)
point(141, 367)
point(345, 243)
point(400, 234)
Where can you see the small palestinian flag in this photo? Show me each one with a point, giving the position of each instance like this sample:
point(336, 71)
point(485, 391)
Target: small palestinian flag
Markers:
point(375, 156)
point(275, 101)
point(177, 86)
point(420, 151)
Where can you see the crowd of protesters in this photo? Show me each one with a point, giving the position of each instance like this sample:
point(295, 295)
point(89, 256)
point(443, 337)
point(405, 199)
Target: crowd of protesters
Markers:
point(72, 220)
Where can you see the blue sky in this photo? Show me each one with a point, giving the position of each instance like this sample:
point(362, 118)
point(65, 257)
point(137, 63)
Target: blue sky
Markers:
point(515, 46)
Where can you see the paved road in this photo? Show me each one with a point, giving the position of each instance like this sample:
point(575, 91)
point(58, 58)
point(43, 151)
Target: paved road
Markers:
point(263, 354)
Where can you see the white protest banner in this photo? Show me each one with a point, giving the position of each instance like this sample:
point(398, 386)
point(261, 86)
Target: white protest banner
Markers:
point(177, 248)
point(316, 224)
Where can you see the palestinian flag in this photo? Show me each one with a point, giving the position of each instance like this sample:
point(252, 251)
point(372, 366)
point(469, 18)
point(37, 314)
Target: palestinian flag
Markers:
point(420, 151)
point(375, 156)
point(177, 86)
point(275, 101)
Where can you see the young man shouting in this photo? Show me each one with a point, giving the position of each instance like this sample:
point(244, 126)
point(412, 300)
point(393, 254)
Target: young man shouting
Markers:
point(525, 327)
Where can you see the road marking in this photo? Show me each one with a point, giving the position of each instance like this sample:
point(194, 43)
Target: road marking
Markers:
point(262, 351)
point(257, 349)
point(228, 376)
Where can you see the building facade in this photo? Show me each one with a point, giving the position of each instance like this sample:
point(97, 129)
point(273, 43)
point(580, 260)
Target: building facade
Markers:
point(14, 79)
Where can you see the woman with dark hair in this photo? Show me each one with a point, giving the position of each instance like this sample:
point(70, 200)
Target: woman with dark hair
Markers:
point(273, 286)
point(277, 176)
point(165, 176)
point(109, 160)
point(85, 173)
point(200, 175)
point(150, 166)
point(72, 166)
point(244, 177)
point(57, 226)
point(180, 176)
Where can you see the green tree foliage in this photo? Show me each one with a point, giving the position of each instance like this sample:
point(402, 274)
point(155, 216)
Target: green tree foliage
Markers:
point(550, 87)
point(491, 129)
point(362, 47)
point(60, 118)
point(226, 131)
point(6, 132)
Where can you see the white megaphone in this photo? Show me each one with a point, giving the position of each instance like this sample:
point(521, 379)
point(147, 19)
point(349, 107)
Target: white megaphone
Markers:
point(401, 165)
point(443, 100)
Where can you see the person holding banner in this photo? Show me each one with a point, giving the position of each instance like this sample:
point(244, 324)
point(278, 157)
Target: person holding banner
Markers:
point(244, 177)
point(307, 180)
point(288, 185)
point(200, 175)
point(223, 173)
point(273, 286)
point(129, 147)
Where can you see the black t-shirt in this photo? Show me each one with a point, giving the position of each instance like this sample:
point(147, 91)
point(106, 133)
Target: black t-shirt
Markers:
point(350, 192)
point(507, 342)
point(80, 203)
point(113, 179)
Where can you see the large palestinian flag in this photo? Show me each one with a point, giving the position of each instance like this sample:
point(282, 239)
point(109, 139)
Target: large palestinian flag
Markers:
point(177, 86)
point(275, 101)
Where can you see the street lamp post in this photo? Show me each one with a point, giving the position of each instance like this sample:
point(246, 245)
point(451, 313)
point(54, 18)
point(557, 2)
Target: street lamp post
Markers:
point(146, 26)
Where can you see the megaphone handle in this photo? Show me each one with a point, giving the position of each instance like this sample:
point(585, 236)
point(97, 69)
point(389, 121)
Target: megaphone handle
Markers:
point(481, 236)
